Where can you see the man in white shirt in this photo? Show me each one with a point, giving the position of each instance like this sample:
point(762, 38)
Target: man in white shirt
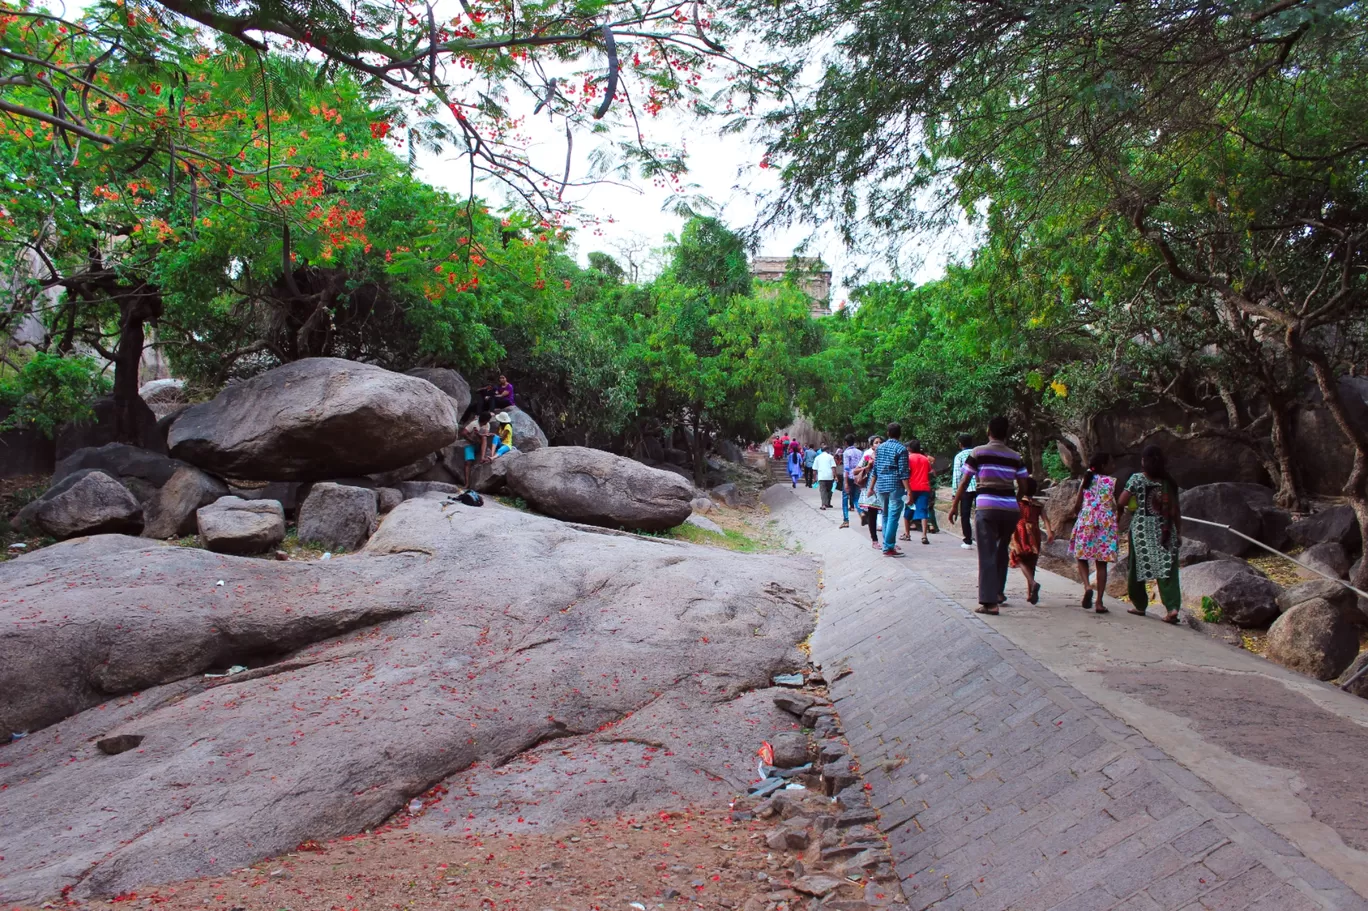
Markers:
point(825, 467)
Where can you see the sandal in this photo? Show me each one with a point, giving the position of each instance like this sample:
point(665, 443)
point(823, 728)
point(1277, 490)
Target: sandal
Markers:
point(1171, 617)
point(1034, 596)
point(924, 541)
point(904, 537)
point(989, 609)
point(1138, 613)
point(893, 553)
point(1101, 609)
point(1088, 599)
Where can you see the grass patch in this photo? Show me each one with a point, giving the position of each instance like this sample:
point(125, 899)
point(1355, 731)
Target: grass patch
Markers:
point(730, 538)
point(1211, 611)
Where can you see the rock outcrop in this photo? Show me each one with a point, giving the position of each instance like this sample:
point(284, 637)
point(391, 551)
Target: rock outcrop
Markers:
point(599, 488)
point(171, 512)
point(1247, 598)
point(371, 678)
point(337, 516)
point(1315, 637)
point(232, 525)
point(450, 382)
point(87, 502)
point(316, 419)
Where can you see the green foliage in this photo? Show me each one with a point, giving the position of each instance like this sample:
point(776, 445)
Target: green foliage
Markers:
point(1211, 610)
point(49, 390)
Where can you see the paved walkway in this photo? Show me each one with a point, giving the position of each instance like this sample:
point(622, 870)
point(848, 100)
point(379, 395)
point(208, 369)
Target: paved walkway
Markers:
point(1048, 759)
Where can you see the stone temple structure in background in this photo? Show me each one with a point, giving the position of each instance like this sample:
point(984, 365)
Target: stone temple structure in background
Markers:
point(810, 273)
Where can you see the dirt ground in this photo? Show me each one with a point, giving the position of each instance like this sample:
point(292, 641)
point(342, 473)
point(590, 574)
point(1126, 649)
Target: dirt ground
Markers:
point(685, 859)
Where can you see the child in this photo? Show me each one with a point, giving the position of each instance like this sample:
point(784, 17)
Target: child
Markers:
point(1024, 550)
point(1095, 534)
point(476, 436)
point(504, 433)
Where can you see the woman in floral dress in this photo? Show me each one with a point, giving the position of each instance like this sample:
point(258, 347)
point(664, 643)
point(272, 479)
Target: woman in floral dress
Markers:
point(1156, 532)
point(1094, 535)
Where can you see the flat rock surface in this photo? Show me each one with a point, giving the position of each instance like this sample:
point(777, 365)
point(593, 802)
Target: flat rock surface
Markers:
point(453, 663)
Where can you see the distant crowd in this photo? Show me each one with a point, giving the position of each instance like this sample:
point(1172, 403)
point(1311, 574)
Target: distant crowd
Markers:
point(995, 506)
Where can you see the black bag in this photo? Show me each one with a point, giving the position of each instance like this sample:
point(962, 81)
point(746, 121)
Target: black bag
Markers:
point(471, 498)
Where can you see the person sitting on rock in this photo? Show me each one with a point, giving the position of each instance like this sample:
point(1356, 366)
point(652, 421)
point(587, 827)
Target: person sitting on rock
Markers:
point(503, 433)
point(497, 395)
point(476, 435)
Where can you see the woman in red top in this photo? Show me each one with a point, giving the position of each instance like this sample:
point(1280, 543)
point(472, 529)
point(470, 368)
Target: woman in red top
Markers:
point(918, 491)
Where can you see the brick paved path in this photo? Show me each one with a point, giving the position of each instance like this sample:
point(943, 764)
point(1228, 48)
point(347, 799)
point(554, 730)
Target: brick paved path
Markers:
point(1003, 787)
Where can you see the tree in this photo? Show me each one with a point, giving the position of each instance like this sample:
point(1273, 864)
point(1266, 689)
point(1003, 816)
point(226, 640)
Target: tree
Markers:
point(1220, 141)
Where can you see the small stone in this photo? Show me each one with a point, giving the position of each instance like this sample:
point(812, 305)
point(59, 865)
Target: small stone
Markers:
point(818, 884)
point(670, 894)
point(833, 750)
point(794, 703)
point(788, 839)
point(282, 555)
point(814, 712)
point(119, 743)
point(790, 749)
point(856, 818)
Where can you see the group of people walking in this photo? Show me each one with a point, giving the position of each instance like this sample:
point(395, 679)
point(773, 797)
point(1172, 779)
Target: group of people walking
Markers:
point(996, 507)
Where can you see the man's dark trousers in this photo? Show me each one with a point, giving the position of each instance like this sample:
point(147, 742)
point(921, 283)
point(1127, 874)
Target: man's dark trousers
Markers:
point(824, 488)
point(966, 517)
point(994, 528)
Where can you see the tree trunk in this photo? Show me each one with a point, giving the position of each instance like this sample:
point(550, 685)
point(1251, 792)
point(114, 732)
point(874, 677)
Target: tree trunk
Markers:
point(137, 306)
point(1288, 495)
point(700, 466)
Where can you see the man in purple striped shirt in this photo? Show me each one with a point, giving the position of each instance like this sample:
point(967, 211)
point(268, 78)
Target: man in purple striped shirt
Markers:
point(1000, 473)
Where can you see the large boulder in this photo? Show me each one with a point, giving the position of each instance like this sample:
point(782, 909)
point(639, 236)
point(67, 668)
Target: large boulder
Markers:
point(87, 502)
point(727, 493)
point(527, 435)
point(1329, 558)
point(1324, 589)
point(171, 512)
point(409, 472)
point(1315, 637)
point(142, 471)
point(492, 477)
point(728, 450)
point(450, 382)
point(336, 516)
point(289, 494)
point(372, 678)
point(316, 419)
point(104, 427)
point(168, 391)
point(1338, 525)
point(1357, 672)
point(1225, 503)
point(1247, 598)
point(232, 525)
point(1273, 526)
point(589, 485)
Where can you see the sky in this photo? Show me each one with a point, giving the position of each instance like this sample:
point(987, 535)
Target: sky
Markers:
point(724, 169)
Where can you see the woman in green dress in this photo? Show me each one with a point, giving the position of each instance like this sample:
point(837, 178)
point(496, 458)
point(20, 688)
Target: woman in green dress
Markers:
point(1156, 531)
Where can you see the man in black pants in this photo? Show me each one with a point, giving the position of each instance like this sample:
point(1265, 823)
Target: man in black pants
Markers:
point(1002, 476)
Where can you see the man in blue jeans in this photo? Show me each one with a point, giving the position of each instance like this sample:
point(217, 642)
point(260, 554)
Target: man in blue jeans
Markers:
point(891, 472)
point(850, 491)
